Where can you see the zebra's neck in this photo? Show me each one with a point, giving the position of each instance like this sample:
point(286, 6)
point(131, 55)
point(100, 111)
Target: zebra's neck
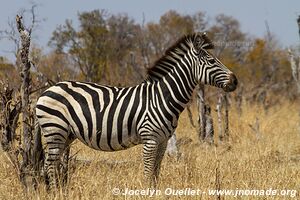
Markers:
point(168, 97)
point(177, 88)
point(173, 80)
point(174, 90)
point(174, 74)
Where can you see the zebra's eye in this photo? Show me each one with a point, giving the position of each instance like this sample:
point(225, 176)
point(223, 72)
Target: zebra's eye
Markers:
point(211, 61)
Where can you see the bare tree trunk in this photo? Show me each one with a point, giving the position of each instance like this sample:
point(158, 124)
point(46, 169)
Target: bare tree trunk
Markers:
point(25, 91)
point(201, 112)
point(223, 129)
point(295, 67)
point(205, 121)
point(19, 149)
point(226, 120)
point(209, 125)
point(220, 117)
point(295, 70)
point(222, 100)
point(172, 148)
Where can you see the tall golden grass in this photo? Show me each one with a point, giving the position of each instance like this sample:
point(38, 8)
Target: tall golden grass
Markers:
point(270, 159)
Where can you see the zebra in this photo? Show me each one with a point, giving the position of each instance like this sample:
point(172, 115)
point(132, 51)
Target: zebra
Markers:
point(110, 118)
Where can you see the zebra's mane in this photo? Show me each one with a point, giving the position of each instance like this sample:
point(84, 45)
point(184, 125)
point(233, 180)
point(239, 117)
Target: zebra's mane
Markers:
point(159, 69)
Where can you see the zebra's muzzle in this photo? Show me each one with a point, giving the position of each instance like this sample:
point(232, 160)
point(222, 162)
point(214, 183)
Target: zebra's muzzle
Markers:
point(231, 84)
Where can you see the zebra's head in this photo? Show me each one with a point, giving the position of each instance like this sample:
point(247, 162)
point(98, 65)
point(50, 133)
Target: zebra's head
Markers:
point(209, 69)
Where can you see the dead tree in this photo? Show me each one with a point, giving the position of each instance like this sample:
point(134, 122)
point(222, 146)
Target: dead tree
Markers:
point(220, 116)
point(25, 91)
point(22, 105)
point(32, 152)
point(226, 120)
point(201, 112)
point(294, 66)
point(295, 69)
point(205, 122)
point(223, 120)
point(172, 148)
point(209, 125)
point(19, 148)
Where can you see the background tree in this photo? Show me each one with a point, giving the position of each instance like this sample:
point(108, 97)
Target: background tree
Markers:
point(8, 69)
point(170, 28)
point(87, 46)
point(101, 43)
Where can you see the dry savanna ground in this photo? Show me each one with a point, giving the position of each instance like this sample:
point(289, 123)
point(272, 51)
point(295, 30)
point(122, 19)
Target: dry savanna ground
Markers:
point(250, 160)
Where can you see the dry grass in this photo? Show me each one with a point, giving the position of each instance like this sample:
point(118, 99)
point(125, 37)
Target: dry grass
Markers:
point(247, 161)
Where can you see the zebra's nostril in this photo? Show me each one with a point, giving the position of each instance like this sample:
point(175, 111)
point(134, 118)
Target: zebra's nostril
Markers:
point(231, 84)
point(233, 79)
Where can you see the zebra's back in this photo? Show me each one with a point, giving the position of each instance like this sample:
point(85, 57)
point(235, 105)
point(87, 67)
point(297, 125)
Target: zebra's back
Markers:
point(102, 117)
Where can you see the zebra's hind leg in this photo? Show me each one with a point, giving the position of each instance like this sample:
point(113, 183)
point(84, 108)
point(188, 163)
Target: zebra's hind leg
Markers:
point(65, 165)
point(153, 153)
point(56, 144)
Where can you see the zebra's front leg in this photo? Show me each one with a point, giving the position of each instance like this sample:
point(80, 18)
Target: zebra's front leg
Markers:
point(153, 153)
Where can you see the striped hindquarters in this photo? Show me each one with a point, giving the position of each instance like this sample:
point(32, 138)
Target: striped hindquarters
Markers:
point(104, 118)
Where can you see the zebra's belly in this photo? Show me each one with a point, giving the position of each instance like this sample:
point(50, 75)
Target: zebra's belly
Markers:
point(111, 142)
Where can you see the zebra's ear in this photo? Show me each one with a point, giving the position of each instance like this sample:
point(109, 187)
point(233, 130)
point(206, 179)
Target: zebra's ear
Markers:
point(207, 43)
point(203, 42)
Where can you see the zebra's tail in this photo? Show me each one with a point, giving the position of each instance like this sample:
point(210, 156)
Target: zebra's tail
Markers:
point(38, 154)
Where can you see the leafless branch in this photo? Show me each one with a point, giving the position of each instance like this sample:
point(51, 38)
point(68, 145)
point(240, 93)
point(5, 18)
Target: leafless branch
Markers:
point(33, 19)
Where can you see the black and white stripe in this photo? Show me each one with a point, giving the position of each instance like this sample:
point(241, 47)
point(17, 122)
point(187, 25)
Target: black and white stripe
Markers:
point(111, 119)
